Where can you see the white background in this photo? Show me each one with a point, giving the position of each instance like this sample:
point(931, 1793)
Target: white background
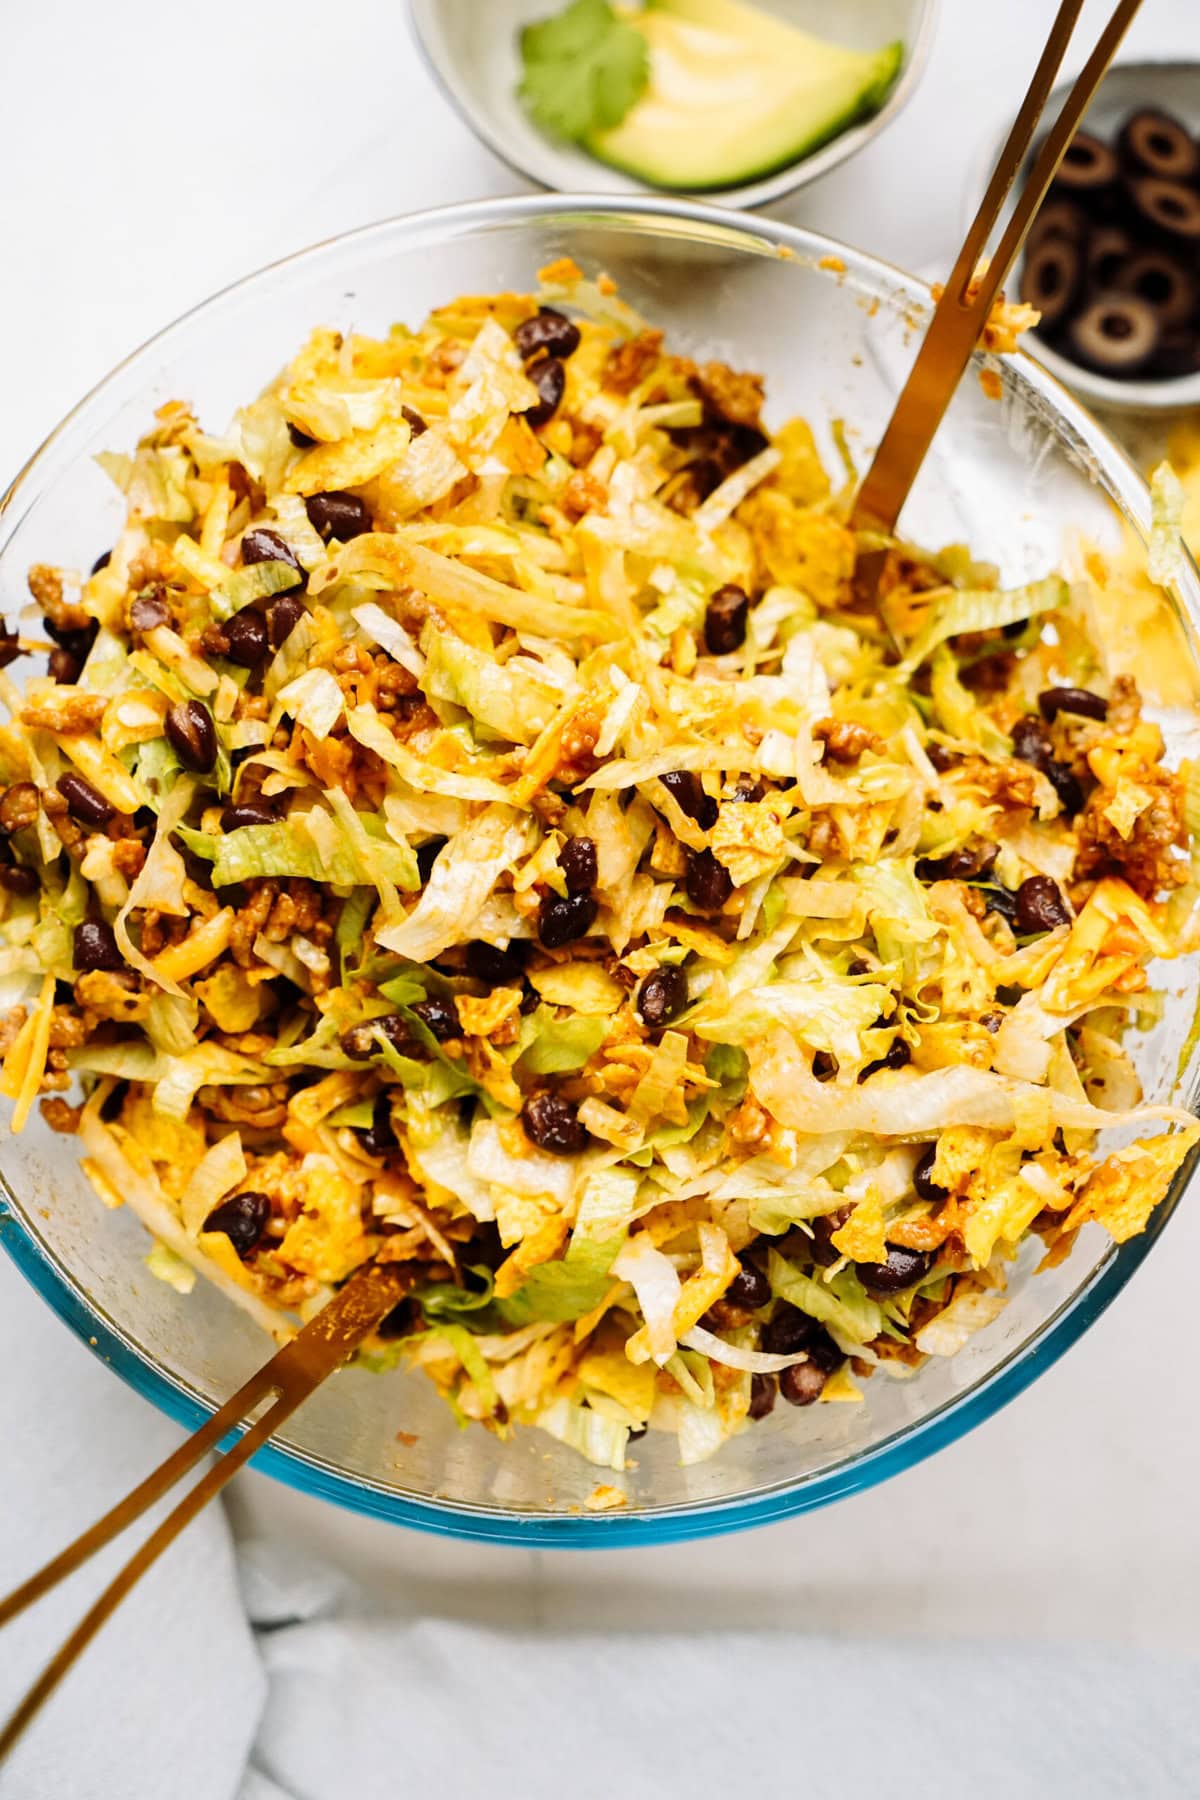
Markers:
point(152, 153)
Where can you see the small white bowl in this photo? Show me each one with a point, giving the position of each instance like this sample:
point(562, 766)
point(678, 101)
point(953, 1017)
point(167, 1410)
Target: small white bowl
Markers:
point(1175, 87)
point(471, 49)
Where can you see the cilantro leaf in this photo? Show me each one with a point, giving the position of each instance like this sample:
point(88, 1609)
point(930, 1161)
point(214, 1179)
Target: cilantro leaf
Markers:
point(583, 69)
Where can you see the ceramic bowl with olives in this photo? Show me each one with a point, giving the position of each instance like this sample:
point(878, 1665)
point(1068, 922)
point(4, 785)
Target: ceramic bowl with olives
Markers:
point(1112, 262)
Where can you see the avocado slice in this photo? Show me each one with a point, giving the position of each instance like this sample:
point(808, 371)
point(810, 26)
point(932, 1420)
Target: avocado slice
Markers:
point(735, 93)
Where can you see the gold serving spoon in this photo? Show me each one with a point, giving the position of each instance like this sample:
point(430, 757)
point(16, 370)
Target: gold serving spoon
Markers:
point(292, 1374)
point(330, 1338)
point(962, 311)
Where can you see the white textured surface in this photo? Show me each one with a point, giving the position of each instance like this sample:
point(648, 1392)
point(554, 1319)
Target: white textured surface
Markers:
point(152, 155)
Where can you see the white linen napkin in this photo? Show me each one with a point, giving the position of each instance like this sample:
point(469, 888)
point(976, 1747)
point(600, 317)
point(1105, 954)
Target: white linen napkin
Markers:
point(166, 1700)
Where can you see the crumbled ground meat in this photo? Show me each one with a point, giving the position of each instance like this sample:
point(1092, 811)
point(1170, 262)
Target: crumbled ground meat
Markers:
point(264, 1108)
point(18, 807)
point(10, 1026)
point(297, 910)
point(60, 1115)
point(1124, 706)
point(46, 586)
point(1143, 859)
point(70, 834)
point(844, 741)
point(738, 396)
point(66, 712)
point(576, 760)
point(630, 362)
point(251, 918)
point(128, 858)
point(1011, 784)
point(583, 494)
point(67, 1029)
point(160, 929)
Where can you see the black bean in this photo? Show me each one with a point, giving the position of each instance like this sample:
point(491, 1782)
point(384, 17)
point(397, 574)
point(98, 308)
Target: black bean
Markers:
point(1031, 741)
point(1063, 780)
point(790, 1330)
point(1000, 900)
point(192, 735)
point(16, 879)
point(495, 966)
point(250, 812)
point(412, 418)
point(63, 666)
point(77, 639)
point(577, 860)
point(662, 996)
point(823, 1250)
point(362, 1041)
point(96, 948)
point(802, 1384)
point(763, 1389)
point(896, 1056)
point(902, 1269)
point(563, 921)
point(550, 379)
point(824, 1066)
point(941, 758)
point(549, 331)
point(552, 1123)
point(380, 1135)
point(84, 802)
point(427, 855)
point(243, 1219)
point(749, 1288)
point(337, 515)
point(264, 545)
point(247, 634)
point(400, 1321)
point(747, 789)
point(1072, 700)
point(1040, 905)
point(300, 438)
point(725, 620)
point(960, 865)
point(10, 644)
point(440, 1016)
point(685, 789)
point(927, 1188)
point(709, 883)
point(283, 616)
point(102, 561)
point(148, 611)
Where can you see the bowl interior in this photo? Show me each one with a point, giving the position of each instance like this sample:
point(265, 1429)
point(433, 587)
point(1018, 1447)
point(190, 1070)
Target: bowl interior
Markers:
point(478, 66)
point(1020, 478)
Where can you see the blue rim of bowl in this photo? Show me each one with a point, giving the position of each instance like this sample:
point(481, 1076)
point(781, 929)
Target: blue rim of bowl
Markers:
point(649, 1525)
point(746, 195)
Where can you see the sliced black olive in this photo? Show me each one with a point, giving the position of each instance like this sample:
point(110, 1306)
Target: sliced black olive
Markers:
point(1088, 169)
point(1059, 219)
point(1153, 143)
point(1116, 335)
point(1171, 210)
point(1108, 250)
point(1051, 279)
point(1162, 281)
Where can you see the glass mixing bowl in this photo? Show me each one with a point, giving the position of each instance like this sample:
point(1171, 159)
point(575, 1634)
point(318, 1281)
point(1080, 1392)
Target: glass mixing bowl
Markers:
point(1018, 477)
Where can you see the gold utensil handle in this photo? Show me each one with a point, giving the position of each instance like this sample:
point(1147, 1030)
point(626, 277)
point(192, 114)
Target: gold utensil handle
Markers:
point(962, 311)
point(291, 1375)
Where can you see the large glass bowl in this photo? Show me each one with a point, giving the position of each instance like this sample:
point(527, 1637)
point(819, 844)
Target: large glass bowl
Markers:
point(1022, 477)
